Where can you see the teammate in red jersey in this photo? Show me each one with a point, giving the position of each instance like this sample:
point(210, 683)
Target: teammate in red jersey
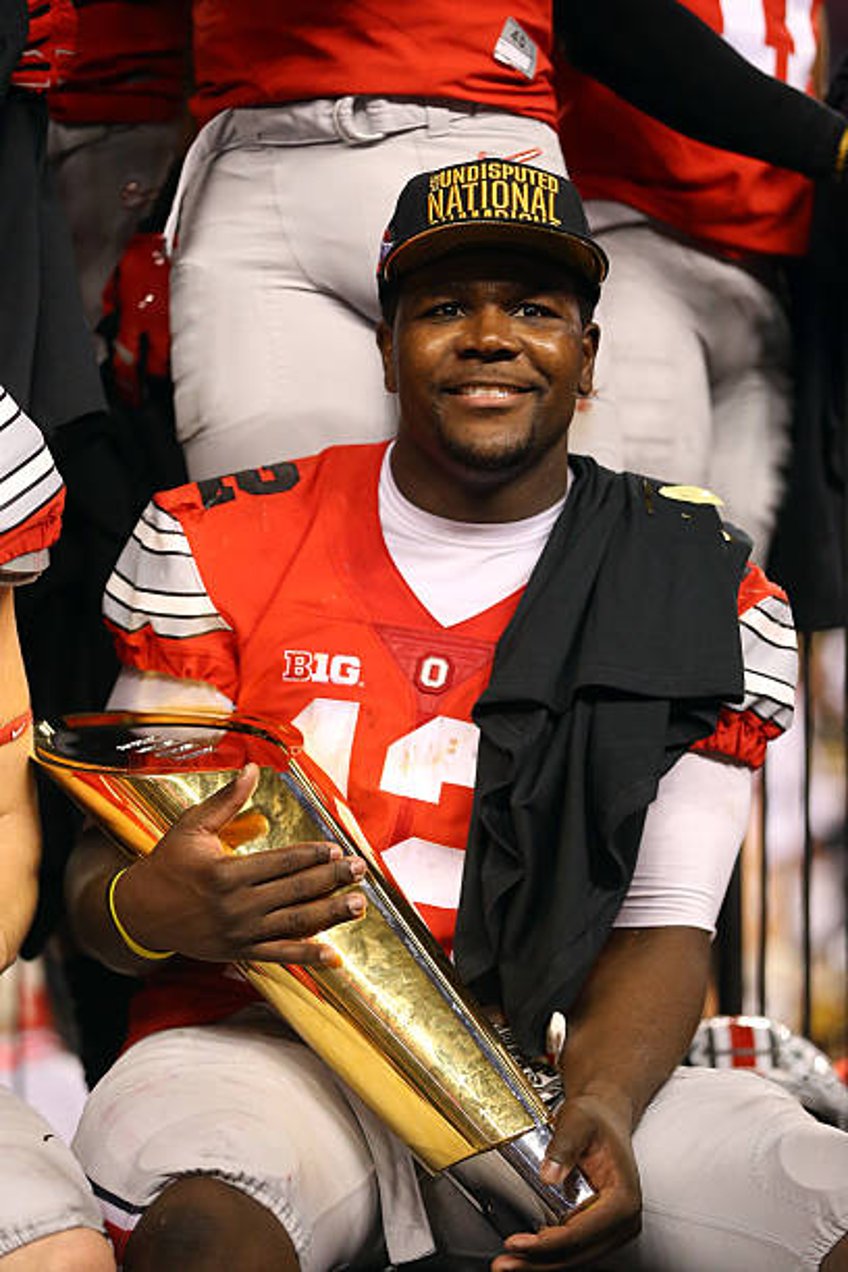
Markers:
point(410, 607)
point(48, 1218)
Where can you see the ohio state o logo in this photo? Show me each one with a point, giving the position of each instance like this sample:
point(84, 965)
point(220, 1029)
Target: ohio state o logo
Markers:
point(433, 673)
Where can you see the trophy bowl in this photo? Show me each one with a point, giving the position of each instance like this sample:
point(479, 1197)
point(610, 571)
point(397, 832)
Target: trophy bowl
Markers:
point(391, 1018)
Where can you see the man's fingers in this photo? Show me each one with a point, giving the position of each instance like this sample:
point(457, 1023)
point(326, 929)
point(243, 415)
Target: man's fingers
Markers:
point(584, 1253)
point(313, 953)
point(295, 922)
point(302, 874)
point(584, 1238)
point(268, 881)
point(599, 1228)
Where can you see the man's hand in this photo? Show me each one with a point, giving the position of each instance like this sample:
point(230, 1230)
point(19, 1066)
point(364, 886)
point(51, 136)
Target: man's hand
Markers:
point(629, 1027)
point(592, 1132)
point(193, 896)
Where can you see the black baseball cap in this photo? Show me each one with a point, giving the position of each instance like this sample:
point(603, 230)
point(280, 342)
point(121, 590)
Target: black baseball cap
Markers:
point(488, 202)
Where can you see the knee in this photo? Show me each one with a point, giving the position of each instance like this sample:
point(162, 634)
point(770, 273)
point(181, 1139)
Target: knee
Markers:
point(202, 1223)
point(77, 1250)
point(837, 1259)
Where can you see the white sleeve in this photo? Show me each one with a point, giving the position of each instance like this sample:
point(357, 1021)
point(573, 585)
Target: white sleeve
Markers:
point(151, 691)
point(157, 583)
point(693, 832)
point(770, 661)
point(29, 486)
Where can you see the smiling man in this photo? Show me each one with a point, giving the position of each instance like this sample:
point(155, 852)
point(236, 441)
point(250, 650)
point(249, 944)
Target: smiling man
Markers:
point(487, 351)
point(542, 687)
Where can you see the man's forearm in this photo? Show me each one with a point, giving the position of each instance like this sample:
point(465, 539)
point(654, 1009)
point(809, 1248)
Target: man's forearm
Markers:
point(636, 1015)
point(93, 864)
point(663, 59)
point(20, 832)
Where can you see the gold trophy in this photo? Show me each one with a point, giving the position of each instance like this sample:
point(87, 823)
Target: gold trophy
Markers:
point(390, 1018)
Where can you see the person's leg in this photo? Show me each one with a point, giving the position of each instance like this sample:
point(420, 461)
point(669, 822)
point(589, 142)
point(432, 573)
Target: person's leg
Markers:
point(652, 384)
point(107, 177)
point(77, 1250)
point(837, 1260)
point(227, 1128)
point(750, 351)
point(204, 1224)
point(737, 1175)
point(267, 365)
point(49, 1220)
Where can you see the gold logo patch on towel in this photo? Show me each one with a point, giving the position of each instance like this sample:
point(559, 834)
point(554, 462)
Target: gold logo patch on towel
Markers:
point(691, 494)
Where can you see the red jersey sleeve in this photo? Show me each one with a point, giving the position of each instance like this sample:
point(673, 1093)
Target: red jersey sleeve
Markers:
point(770, 659)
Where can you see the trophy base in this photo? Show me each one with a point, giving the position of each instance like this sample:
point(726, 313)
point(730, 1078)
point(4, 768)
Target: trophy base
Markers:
point(504, 1185)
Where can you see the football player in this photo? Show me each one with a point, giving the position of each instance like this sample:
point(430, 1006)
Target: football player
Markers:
point(542, 687)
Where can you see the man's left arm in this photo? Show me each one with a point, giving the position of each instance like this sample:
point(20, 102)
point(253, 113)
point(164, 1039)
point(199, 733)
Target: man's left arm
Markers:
point(636, 1014)
point(630, 1028)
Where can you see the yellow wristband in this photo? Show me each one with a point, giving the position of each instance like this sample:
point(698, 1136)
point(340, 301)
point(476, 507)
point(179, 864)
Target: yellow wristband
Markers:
point(841, 162)
point(140, 950)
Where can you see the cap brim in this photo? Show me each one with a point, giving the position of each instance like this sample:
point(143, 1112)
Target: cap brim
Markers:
point(580, 254)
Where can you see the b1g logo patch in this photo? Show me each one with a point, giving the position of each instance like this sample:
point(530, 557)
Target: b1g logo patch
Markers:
point(321, 668)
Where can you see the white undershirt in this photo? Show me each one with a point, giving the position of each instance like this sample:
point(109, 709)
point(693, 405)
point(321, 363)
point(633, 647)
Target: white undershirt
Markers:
point(458, 568)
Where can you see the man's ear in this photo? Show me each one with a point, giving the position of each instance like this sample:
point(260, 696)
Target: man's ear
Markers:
point(386, 345)
point(590, 340)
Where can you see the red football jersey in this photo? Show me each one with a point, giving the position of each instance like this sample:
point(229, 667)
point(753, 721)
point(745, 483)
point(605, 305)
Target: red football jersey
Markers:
point(322, 630)
point(736, 204)
point(276, 587)
point(272, 51)
point(130, 63)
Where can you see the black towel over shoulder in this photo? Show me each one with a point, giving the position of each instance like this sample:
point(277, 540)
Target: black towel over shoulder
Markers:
point(621, 651)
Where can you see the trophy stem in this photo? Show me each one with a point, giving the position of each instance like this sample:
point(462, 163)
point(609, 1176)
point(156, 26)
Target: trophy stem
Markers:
point(504, 1183)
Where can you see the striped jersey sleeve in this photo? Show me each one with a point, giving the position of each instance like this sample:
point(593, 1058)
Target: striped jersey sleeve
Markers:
point(770, 660)
point(159, 609)
point(31, 493)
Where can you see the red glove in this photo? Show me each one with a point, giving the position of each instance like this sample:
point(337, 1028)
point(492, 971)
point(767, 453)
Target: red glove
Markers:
point(135, 311)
